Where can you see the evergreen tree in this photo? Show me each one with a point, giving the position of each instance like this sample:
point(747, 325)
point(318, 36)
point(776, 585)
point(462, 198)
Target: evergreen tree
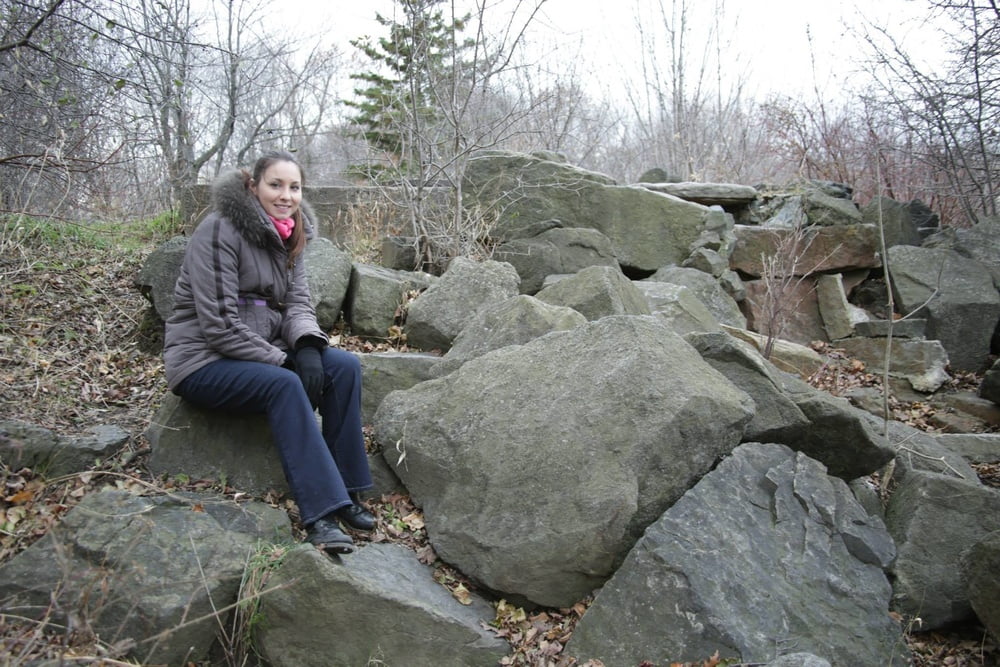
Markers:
point(398, 105)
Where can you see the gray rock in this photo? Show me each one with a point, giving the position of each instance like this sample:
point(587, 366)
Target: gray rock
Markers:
point(133, 567)
point(957, 294)
point(799, 660)
point(647, 229)
point(399, 253)
point(734, 287)
point(834, 309)
point(789, 309)
point(722, 194)
point(825, 210)
point(917, 450)
point(159, 274)
point(915, 328)
point(980, 565)
point(707, 260)
point(989, 388)
point(923, 363)
point(640, 418)
point(328, 270)
point(766, 551)
point(435, 317)
point(376, 295)
point(678, 306)
point(202, 444)
point(973, 447)
point(555, 251)
point(384, 372)
point(818, 250)
point(512, 322)
point(379, 606)
point(24, 445)
point(596, 292)
point(897, 222)
point(709, 290)
point(742, 365)
point(839, 435)
point(934, 519)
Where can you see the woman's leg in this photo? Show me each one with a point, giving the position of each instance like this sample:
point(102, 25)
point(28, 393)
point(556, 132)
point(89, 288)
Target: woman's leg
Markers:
point(340, 408)
point(252, 387)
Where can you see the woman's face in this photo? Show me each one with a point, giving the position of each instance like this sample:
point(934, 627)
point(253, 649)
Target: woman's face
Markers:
point(279, 189)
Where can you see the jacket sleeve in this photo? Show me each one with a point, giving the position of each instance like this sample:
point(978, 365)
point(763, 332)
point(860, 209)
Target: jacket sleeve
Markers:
point(214, 278)
point(300, 315)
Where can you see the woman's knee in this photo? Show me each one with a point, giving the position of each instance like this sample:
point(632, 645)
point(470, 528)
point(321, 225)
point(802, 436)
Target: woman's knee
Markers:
point(341, 361)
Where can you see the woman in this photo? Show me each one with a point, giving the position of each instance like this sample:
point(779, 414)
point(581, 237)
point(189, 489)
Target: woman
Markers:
point(243, 338)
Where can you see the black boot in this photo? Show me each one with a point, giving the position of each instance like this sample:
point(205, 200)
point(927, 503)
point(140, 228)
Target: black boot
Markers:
point(355, 515)
point(328, 536)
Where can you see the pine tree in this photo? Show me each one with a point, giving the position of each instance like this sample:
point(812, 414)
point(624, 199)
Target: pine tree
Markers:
point(398, 103)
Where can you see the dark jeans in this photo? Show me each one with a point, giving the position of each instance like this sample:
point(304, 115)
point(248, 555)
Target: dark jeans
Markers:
point(321, 465)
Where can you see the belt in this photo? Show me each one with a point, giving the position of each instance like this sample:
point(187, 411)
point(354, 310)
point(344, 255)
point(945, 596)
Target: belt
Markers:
point(252, 302)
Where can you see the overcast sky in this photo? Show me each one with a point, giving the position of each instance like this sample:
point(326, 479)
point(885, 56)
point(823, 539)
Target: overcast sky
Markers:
point(768, 40)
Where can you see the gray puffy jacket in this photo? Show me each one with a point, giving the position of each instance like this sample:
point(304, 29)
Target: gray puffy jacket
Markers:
point(236, 296)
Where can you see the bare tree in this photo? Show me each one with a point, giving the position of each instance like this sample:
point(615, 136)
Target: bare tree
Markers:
point(54, 89)
point(442, 107)
point(953, 113)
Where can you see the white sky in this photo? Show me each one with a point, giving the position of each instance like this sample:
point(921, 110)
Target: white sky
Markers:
point(769, 42)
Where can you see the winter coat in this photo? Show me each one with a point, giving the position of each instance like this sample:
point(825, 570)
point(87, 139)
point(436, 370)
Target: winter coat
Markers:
point(236, 295)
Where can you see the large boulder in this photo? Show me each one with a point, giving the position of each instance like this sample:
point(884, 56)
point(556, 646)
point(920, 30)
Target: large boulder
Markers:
point(707, 289)
point(647, 229)
point(785, 309)
point(678, 306)
point(555, 251)
point(806, 250)
point(596, 292)
point(980, 565)
point(385, 372)
point(989, 388)
point(787, 356)
point(376, 296)
point(743, 365)
point(137, 568)
point(205, 444)
point(435, 317)
point(24, 445)
point(934, 519)
point(512, 322)
point(765, 552)
point(922, 363)
point(973, 447)
point(641, 417)
point(159, 274)
point(708, 194)
point(957, 294)
point(898, 226)
point(842, 437)
point(826, 210)
point(328, 270)
point(379, 606)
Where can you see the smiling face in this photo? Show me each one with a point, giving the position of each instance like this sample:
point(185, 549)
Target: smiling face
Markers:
point(279, 189)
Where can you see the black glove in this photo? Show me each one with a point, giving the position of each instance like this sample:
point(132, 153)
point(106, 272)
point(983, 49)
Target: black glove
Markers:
point(309, 366)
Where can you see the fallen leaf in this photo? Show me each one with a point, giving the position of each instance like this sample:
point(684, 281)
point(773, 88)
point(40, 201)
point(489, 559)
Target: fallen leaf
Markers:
point(461, 593)
point(22, 496)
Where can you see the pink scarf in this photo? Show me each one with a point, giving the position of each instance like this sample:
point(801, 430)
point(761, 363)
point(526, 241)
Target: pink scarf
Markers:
point(284, 227)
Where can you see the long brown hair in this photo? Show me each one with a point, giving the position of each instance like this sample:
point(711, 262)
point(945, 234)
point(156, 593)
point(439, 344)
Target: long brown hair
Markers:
point(297, 241)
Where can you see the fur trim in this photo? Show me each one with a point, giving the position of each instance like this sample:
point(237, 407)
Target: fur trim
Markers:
point(233, 200)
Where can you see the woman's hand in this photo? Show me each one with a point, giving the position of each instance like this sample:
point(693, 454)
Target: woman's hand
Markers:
point(309, 366)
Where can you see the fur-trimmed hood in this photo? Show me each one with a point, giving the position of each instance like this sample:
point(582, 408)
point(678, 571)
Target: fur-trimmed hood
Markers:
point(232, 199)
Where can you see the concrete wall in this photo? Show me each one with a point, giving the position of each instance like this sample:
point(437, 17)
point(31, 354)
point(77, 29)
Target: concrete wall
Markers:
point(337, 206)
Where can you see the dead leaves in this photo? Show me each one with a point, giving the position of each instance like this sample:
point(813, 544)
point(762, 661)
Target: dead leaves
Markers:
point(538, 638)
